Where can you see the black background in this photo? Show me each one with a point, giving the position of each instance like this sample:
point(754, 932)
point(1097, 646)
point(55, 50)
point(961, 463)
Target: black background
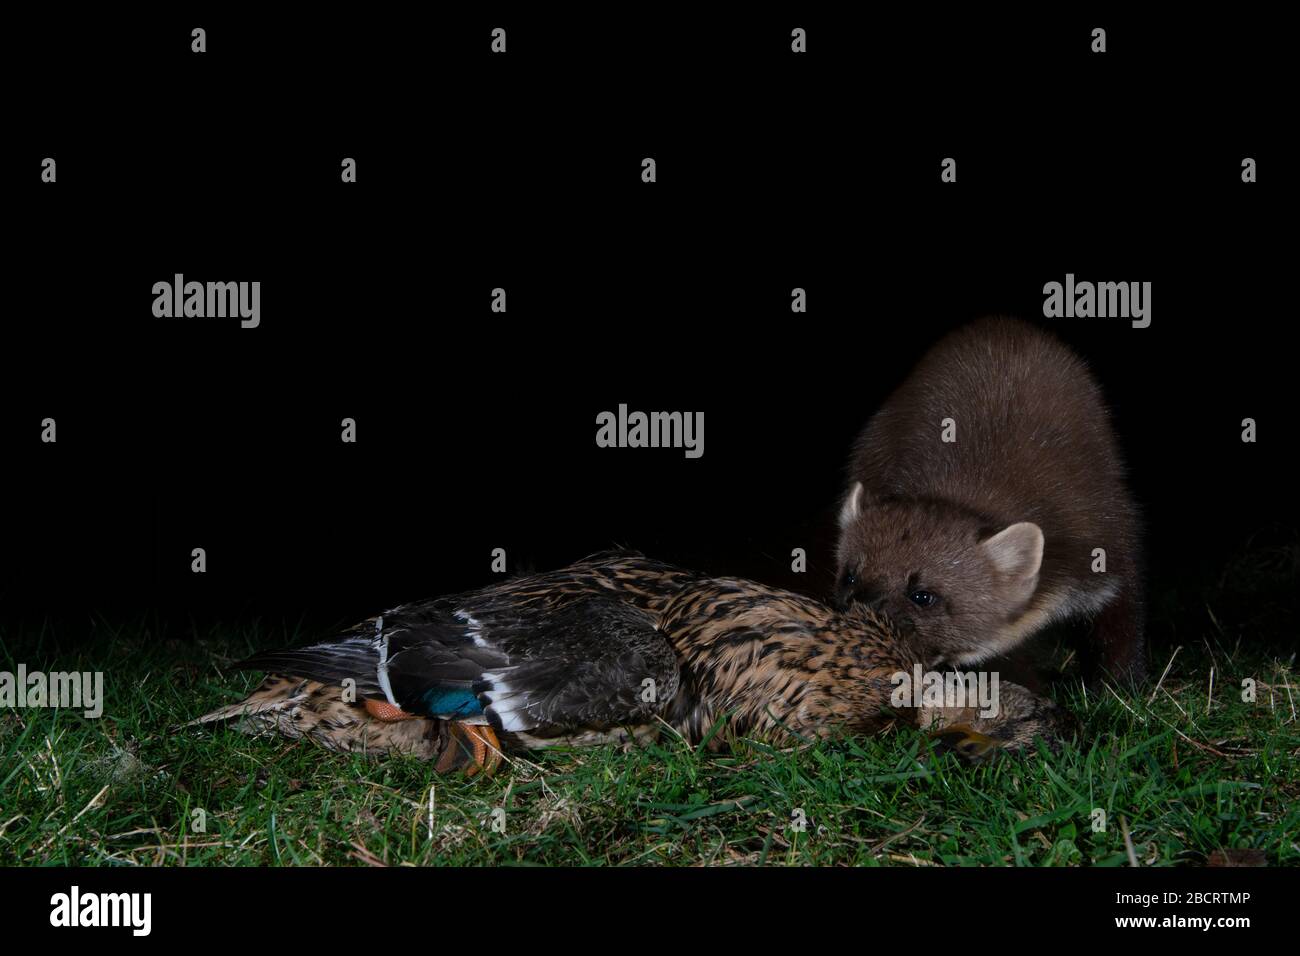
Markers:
point(476, 430)
point(226, 905)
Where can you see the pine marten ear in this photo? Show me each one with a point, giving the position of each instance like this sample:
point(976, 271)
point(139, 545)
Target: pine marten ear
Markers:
point(852, 506)
point(1017, 550)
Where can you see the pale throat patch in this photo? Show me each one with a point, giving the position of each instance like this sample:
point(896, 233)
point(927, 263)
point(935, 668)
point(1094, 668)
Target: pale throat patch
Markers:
point(1044, 609)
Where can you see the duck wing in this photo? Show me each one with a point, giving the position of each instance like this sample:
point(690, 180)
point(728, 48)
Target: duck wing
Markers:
point(597, 663)
point(593, 662)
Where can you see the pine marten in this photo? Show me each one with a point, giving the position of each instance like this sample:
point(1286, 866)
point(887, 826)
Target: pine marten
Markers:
point(978, 496)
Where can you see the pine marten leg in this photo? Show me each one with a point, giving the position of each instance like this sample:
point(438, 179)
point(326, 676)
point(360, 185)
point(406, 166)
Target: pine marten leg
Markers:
point(1116, 648)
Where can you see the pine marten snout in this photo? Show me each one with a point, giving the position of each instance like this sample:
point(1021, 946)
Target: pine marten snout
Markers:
point(987, 501)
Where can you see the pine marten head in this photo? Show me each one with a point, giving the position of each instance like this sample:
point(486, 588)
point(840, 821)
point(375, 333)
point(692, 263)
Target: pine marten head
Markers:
point(956, 587)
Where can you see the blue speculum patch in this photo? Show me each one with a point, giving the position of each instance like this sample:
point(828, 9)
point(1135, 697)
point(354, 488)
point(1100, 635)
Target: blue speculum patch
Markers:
point(452, 702)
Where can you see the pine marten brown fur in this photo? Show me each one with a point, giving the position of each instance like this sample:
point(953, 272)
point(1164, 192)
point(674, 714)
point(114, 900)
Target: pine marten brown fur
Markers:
point(985, 498)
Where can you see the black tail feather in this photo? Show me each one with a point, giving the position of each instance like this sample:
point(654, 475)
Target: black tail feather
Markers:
point(356, 659)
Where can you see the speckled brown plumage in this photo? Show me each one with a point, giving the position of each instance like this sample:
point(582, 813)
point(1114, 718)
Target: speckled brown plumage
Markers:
point(777, 664)
point(610, 649)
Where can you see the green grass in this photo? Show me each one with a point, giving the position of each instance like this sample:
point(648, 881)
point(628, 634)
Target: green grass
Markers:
point(121, 790)
point(1182, 770)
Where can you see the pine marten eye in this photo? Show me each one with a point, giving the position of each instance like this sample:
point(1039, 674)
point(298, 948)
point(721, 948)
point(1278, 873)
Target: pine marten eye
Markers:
point(922, 598)
point(850, 580)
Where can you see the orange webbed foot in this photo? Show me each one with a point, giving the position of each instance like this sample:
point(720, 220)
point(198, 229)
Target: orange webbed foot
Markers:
point(472, 746)
point(383, 710)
